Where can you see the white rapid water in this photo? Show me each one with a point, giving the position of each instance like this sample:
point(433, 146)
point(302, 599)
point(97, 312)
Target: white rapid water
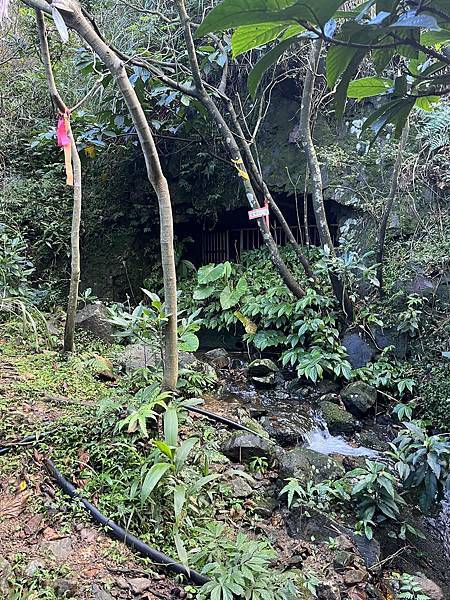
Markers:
point(321, 440)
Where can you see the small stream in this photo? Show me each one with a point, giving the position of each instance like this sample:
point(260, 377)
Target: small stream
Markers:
point(287, 419)
point(292, 419)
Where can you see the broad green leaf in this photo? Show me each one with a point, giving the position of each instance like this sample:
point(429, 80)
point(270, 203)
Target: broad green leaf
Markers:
point(152, 479)
point(179, 498)
point(338, 59)
point(381, 58)
point(171, 426)
point(368, 86)
point(252, 36)
point(181, 550)
point(203, 292)
point(189, 342)
point(269, 59)
point(432, 38)
point(225, 298)
point(230, 14)
point(183, 452)
point(340, 95)
point(164, 448)
point(427, 102)
point(236, 13)
point(210, 273)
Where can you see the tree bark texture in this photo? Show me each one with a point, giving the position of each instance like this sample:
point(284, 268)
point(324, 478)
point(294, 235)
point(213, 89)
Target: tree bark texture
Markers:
point(75, 19)
point(316, 175)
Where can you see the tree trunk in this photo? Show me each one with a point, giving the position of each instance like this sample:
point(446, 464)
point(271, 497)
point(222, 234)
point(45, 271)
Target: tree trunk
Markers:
point(235, 153)
point(381, 238)
point(72, 303)
point(258, 178)
point(74, 18)
point(316, 175)
point(75, 270)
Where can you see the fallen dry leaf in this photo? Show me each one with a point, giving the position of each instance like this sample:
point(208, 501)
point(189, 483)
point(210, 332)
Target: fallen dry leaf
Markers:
point(12, 506)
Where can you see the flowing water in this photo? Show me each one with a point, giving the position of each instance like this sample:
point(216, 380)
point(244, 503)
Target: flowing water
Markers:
point(321, 440)
point(288, 420)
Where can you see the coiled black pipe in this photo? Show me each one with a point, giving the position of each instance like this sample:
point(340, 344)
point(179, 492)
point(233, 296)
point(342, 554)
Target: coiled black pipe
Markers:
point(116, 531)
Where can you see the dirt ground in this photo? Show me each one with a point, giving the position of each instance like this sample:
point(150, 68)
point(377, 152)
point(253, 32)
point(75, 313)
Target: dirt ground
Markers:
point(45, 553)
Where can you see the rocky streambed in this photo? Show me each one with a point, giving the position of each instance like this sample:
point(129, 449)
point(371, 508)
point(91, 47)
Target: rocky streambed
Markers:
point(317, 433)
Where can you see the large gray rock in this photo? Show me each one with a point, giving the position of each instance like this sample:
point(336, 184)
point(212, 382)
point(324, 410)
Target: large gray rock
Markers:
point(307, 465)
point(337, 419)
point(99, 593)
point(390, 336)
point(242, 446)
point(430, 588)
point(218, 357)
point(60, 549)
point(264, 373)
point(360, 351)
point(421, 285)
point(94, 319)
point(139, 356)
point(286, 425)
point(240, 488)
point(261, 367)
point(359, 397)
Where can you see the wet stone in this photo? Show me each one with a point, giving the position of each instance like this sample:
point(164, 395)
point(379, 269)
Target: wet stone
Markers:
point(218, 357)
point(99, 593)
point(337, 419)
point(61, 549)
point(243, 446)
point(65, 588)
point(305, 464)
point(139, 585)
point(359, 397)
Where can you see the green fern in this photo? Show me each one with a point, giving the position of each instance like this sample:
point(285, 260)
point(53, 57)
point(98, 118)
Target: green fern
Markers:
point(434, 128)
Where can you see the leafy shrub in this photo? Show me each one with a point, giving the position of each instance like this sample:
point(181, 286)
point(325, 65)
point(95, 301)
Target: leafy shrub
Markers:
point(386, 373)
point(423, 462)
point(239, 568)
point(409, 588)
point(305, 330)
point(375, 492)
point(15, 268)
point(145, 324)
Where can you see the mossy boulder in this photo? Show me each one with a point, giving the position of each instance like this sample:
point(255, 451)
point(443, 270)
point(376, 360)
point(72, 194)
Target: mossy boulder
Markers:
point(337, 419)
point(243, 446)
point(306, 465)
point(263, 372)
point(359, 397)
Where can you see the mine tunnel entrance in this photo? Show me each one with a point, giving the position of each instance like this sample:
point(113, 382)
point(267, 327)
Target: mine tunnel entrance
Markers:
point(234, 233)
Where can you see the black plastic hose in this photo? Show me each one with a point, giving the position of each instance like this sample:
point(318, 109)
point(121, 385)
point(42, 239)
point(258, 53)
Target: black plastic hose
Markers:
point(26, 441)
point(117, 532)
point(220, 419)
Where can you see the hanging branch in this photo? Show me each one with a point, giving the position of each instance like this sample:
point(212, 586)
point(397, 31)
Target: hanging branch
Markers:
point(381, 238)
